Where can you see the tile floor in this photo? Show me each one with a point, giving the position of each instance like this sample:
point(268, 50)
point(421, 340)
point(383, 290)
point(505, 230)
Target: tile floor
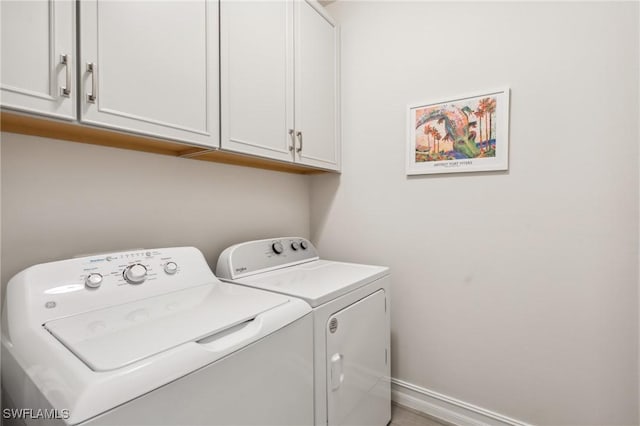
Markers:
point(402, 416)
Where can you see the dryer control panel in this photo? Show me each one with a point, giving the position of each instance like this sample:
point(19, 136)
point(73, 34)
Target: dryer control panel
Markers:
point(253, 257)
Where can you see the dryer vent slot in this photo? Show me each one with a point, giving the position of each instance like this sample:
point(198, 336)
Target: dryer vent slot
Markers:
point(219, 335)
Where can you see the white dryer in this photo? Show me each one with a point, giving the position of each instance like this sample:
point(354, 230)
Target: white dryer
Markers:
point(152, 337)
point(351, 322)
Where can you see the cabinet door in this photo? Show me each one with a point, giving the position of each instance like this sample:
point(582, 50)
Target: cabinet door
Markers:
point(36, 36)
point(358, 391)
point(256, 54)
point(316, 87)
point(151, 67)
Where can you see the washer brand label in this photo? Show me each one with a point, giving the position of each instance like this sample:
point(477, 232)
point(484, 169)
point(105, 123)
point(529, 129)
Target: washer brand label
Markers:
point(241, 269)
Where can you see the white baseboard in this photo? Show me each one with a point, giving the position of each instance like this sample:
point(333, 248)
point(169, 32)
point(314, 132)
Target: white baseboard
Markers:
point(445, 408)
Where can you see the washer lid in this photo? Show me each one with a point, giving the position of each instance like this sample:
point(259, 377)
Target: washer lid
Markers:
point(316, 282)
point(110, 338)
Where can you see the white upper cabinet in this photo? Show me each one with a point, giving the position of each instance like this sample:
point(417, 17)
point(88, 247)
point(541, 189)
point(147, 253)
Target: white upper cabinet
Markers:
point(151, 67)
point(256, 73)
point(279, 81)
point(316, 88)
point(38, 57)
point(258, 77)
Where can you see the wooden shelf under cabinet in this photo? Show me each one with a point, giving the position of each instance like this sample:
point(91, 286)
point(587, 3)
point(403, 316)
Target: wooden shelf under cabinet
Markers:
point(74, 132)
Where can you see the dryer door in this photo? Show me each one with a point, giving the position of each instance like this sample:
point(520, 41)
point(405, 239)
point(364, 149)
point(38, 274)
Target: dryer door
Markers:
point(357, 363)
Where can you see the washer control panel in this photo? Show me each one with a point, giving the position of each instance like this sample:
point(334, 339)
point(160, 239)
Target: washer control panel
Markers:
point(263, 255)
point(133, 268)
point(91, 282)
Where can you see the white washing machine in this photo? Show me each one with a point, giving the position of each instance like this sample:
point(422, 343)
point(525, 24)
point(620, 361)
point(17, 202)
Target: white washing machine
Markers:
point(152, 337)
point(351, 322)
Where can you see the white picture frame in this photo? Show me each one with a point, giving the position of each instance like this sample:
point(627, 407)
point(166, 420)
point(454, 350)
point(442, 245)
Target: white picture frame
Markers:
point(467, 133)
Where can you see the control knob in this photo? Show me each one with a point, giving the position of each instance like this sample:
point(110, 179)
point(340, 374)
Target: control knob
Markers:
point(135, 274)
point(277, 248)
point(93, 280)
point(295, 246)
point(171, 268)
point(304, 245)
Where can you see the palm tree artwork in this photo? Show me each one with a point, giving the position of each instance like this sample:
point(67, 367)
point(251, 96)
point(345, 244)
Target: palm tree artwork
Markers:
point(456, 130)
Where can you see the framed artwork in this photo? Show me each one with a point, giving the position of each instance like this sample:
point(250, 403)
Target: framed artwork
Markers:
point(463, 134)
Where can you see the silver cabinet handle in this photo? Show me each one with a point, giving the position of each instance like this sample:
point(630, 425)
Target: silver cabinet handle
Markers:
point(293, 140)
point(91, 97)
point(66, 61)
point(299, 134)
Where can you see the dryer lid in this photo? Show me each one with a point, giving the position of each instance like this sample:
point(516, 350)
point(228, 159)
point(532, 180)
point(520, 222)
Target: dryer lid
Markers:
point(110, 338)
point(316, 282)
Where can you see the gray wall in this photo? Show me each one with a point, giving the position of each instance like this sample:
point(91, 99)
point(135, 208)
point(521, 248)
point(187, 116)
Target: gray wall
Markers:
point(61, 198)
point(515, 291)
